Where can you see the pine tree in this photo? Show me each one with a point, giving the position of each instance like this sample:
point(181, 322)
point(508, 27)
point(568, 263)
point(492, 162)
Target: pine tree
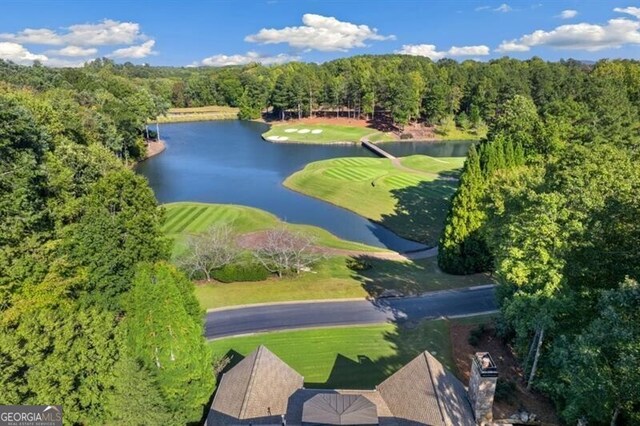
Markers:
point(461, 248)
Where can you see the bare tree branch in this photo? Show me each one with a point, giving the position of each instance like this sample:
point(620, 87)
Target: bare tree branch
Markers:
point(210, 250)
point(284, 250)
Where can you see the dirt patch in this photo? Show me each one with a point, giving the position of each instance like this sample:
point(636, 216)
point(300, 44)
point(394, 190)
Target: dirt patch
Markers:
point(508, 368)
point(342, 121)
point(419, 131)
point(154, 148)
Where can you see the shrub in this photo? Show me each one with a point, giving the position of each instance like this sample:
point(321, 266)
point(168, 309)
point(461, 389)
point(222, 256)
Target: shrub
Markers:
point(406, 136)
point(358, 264)
point(475, 335)
point(241, 272)
point(505, 390)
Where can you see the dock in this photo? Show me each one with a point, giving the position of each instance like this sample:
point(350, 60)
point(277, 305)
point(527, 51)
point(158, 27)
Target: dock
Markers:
point(376, 149)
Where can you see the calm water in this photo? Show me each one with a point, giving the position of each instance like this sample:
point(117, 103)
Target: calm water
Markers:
point(228, 162)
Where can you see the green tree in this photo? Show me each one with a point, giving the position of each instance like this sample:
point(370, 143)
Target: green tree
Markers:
point(165, 335)
point(461, 249)
point(599, 375)
point(119, 227)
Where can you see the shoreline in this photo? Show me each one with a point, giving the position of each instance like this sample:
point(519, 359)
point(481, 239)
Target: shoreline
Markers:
point(153, 149)
point(377, 222)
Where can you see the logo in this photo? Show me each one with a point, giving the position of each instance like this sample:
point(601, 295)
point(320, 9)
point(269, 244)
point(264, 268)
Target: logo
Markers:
point(30, 415)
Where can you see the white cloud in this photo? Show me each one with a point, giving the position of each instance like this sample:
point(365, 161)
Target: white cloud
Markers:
point(480, 50)
point(34, 36)
point(249, 57)
point(568, 14)
point(589, 37)
point(480, 8)
point(631, 10)
point(504, 8)
point(135, 52)
point(107, 32)
point(19, 54)
point(74, 51)
point(64, 63)
point(430, 51)
point(320, 33)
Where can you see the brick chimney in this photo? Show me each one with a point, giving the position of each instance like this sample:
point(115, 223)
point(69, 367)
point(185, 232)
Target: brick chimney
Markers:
point(482, 386)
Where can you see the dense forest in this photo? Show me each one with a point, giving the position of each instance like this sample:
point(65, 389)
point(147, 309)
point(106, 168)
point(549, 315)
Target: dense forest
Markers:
point(548, 202)
point(92, 317)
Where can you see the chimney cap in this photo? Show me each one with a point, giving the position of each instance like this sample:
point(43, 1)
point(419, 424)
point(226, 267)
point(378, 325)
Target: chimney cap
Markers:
point(485, 364)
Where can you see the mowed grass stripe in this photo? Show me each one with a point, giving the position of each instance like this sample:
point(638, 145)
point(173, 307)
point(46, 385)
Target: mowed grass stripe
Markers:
point(200, 223)
point(171, 213)
point(355, 174)
point(358, 162)
point(214, 215)
point(170, 225)
point(183, 219)
point(402, 181)
point(195, 217)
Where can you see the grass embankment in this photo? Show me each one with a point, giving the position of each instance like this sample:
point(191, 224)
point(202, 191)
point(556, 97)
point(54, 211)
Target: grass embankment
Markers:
point(413, 204)
point(459, 134)
point(325, 133)
point(334, 278)
point(350, 357)
point(186, 218)
point(337, 278)
point(179, 115)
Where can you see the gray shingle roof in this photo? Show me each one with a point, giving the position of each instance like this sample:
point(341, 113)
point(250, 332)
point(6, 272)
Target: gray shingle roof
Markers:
point(337, 409)
point(258, 387)
point(423, 392)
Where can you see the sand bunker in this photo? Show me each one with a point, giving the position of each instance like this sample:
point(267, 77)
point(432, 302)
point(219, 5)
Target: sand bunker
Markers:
point(304, 131)
point(290, 130)
point(277, 138)
point(316, 131)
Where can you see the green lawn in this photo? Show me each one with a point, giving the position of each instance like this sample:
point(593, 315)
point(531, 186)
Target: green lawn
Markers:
point(207, 113)
point(349, 357)
point(459, 134)
point(187, 218)
point(337, 278)
point(412, 204)
point(330, 133)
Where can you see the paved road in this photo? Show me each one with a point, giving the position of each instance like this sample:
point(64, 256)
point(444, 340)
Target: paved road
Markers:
point(300, 315)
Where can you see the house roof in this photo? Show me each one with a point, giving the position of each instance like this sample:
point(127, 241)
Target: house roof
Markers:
point(258, 387)
point(424, 392)
point(261, 388)
point(339, 409)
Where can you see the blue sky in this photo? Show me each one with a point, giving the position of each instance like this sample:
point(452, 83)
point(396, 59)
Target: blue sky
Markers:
point(182, 33)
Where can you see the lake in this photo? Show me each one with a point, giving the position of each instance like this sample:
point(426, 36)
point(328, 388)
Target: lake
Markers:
point(228, 162)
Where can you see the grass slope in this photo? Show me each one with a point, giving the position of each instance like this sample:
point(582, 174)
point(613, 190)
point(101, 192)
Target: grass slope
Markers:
point(412, 204)
point(186, 218)
point(179, 115)
point(349, 357)
point(330, 133)
point(336, 279)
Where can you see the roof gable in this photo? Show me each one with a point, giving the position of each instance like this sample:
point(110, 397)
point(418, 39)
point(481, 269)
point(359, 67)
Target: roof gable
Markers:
point(258, 386)
point(339, 409)
point(424, 392)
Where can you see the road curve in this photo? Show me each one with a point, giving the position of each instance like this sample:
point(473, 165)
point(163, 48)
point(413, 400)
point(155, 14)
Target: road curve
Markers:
point(230, 322)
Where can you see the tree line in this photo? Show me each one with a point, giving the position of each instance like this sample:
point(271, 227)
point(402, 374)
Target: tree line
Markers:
point(549, 203)
point(92, 315)
point(397, 88)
